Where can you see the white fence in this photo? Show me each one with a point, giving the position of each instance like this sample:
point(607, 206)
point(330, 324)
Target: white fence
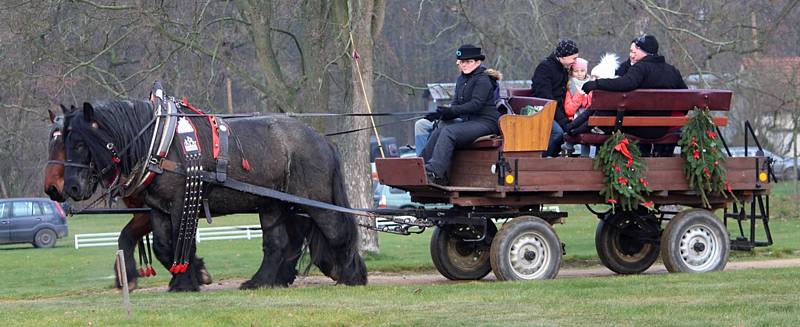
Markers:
point(203, 234)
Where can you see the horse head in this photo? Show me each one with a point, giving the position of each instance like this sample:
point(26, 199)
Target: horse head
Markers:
point(54, 170)
point(93, 138)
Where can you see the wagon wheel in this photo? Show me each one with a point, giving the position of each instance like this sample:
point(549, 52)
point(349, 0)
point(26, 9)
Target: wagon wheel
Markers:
point(695, 241)
point(526, 248)
point(623, 246)
point(457, 258)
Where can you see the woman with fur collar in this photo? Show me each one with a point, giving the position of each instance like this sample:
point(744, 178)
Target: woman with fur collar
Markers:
point(476, 93)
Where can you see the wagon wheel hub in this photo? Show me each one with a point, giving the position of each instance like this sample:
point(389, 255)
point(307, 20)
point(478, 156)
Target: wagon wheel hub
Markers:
point(530, 255)
point(700, 248)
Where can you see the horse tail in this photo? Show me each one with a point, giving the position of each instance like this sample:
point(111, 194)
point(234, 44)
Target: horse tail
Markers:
point(344, 263)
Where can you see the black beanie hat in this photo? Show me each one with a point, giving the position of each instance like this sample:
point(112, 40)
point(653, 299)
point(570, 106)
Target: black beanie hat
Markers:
point(469, 51)
point(565, 48)
point(647, 43)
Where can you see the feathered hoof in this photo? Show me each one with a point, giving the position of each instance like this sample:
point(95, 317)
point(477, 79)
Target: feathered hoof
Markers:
point(184, 288)
point(205, 277)
point(252, 285)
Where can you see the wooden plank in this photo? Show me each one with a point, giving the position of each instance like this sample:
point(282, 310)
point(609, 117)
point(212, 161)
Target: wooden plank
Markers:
point(472, 180)
point(650, 99)
point(527, 133)
point(475, 155)
point(401, 171)
point(649, 121)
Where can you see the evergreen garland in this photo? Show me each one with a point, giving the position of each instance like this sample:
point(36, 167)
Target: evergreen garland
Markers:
point(701, 149)
point(623, 173)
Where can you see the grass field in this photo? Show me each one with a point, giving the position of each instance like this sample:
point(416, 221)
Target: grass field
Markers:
point(73, 287)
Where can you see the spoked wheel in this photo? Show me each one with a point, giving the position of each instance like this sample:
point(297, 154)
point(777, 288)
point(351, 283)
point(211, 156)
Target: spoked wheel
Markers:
point(695, 241)
point(626, 246)
point(526, 248)
point(459, 253)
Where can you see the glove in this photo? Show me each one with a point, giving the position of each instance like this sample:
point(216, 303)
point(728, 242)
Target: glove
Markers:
point(446, 112)
point(433, 116)
point(589, 86)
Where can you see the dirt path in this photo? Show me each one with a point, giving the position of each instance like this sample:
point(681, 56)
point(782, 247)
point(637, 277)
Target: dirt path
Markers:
point(408, 279)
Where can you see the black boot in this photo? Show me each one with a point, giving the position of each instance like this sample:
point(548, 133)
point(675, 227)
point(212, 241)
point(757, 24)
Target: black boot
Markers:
point(434, 178)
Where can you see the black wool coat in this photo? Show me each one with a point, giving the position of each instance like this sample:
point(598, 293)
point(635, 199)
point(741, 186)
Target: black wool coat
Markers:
point(475, 97)
point(652, 72)
point(549, 81)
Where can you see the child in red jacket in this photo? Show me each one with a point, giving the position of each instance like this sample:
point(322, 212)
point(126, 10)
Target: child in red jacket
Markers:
point(576, 101)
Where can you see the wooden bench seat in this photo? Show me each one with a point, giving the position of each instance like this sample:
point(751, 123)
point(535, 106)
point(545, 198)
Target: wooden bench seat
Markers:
point(521, 133)
point(658, 105)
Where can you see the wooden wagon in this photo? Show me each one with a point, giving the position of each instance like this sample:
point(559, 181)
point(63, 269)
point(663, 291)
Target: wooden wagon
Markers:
point(505, 177)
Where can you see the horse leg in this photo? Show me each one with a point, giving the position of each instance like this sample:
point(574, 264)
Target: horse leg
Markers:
point(275, 239)
point(334, 247)
point(297, 228)
point(165, 232)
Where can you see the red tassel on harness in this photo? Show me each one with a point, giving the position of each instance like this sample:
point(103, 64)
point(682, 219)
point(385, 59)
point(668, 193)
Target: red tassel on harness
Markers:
point(142, 272)
point(174, 268)
point(245, 165)
point(150, 271)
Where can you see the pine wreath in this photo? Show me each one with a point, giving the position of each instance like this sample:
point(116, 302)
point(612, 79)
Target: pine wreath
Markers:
point(701, 149)
point(623, 173)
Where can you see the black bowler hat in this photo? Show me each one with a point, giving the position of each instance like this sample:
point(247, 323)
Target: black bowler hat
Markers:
point(647, 43)
point(469, 51)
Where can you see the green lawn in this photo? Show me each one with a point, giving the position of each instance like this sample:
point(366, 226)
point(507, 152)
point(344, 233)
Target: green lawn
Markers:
point(68, 286)
point(737, 298)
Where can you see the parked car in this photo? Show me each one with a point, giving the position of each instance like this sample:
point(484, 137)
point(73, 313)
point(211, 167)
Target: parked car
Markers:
point(38, 221)
point(783, 168)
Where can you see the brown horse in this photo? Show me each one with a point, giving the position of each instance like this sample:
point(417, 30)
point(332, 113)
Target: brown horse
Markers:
point(131, 234)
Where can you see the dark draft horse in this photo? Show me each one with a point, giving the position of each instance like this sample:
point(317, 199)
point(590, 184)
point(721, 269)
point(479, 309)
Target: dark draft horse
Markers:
point(131, 234)
point(284, 154)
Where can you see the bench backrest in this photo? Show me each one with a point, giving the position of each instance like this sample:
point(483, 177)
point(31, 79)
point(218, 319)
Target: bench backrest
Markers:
point(520, 92)
point(519, 102)
point(649, 99)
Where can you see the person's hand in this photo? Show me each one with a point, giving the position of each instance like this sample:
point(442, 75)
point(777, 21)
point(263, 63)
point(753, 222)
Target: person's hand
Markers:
point(433, 116)
point(589, 86)
point(445, 112)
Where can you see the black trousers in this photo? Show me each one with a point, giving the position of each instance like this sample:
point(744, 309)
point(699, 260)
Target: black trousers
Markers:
point(444, 140)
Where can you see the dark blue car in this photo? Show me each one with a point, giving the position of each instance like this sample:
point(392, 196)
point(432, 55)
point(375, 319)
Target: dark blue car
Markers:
point(38, 221)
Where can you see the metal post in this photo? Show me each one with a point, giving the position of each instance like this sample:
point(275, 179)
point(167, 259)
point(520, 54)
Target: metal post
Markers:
point(123, 278)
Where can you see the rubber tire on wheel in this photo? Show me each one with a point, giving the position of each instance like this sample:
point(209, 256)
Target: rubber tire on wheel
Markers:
point(695, 241)
point(622, 254)
point(526, 248)
point(456, 259)
point(45, 238)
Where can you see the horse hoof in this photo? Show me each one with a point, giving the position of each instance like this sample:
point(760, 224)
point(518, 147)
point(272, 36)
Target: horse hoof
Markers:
point(205, 277)
point(184, 289)
point(251, 285)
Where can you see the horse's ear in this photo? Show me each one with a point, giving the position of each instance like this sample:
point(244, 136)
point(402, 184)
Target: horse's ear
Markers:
point(88, 112)
point(66, 110)
point(53, 114)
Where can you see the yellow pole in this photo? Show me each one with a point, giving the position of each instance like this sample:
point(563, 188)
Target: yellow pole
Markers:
point(366, 100)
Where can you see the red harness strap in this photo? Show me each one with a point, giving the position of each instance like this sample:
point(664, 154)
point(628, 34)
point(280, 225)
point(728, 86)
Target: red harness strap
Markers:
point(212, 120)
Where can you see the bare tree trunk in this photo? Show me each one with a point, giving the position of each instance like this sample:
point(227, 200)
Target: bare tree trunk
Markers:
point(361, 21)
point(3, 190)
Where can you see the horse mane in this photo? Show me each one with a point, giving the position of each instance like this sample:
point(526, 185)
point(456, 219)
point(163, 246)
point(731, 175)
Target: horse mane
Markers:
point(119, 122)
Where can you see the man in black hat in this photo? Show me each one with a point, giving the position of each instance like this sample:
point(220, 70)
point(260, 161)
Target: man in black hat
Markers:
point(645, 69)
point(549, 81)
point(474, 102)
